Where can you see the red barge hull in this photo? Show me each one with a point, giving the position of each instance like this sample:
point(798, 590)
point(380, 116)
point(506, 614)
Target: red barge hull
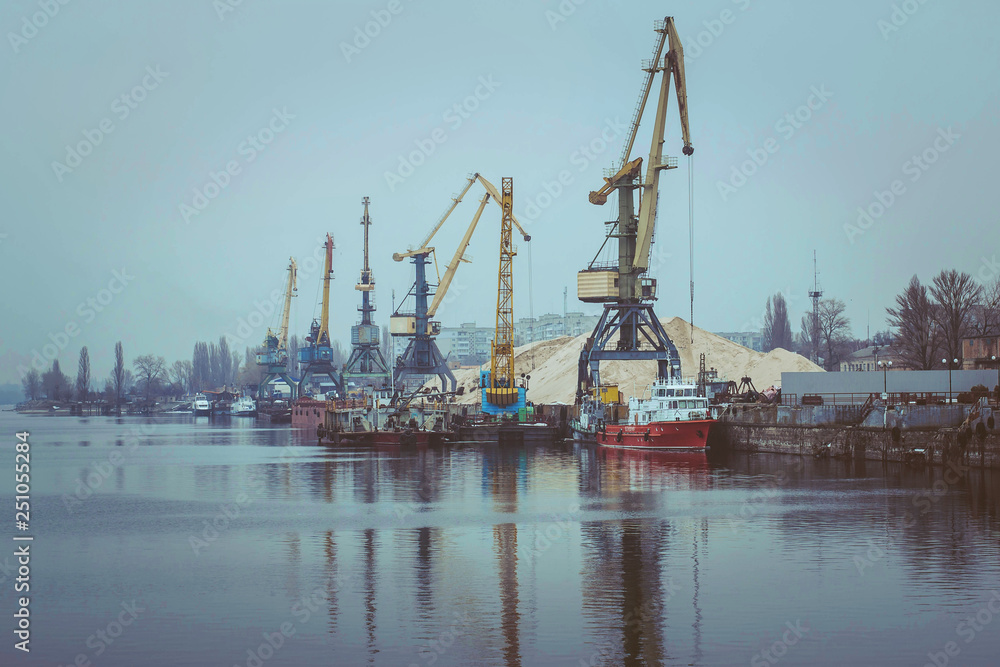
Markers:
point(679, 435)
point(308, 413)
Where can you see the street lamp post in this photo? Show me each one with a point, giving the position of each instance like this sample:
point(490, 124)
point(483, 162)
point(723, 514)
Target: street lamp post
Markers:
point(884, 365)
point(994, 358)
point(945, 361)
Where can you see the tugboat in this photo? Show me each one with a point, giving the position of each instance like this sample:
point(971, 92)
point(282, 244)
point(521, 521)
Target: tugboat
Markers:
point(669, 415)
point(200, 406)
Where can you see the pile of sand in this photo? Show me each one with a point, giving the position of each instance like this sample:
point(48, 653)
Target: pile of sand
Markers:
point(552, 365)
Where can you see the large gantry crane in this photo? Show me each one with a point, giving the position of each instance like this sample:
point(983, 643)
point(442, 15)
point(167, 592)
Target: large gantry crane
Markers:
point(317, 356)
point(622, 286)
point(422, 356)
point(500, 394)
point(366, 364)
point(274, 357)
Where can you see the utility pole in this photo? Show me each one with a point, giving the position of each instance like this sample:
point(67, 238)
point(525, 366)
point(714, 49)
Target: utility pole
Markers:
point(815, 295)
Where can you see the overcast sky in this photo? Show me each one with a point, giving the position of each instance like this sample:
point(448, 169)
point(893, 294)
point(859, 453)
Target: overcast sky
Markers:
point(116, 114)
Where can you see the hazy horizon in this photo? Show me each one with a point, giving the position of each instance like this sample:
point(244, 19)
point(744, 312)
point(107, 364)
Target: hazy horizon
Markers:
point(169, 96)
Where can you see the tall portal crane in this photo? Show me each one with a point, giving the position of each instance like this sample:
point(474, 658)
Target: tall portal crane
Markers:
point(622, 286)
point(274, 357)
point(500, 394)
point(366, 364)
point(422, 356)
point(318, 353)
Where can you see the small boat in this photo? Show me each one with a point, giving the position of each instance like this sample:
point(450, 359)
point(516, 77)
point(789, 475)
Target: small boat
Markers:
point(244, 406)
point(670, 415)
point(200, 406)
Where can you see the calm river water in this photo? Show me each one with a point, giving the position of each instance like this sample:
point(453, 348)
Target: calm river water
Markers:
point(174, 541)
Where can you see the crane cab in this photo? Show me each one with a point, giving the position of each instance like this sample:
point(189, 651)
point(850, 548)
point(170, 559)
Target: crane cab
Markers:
point(406, 325)
point(597, 285)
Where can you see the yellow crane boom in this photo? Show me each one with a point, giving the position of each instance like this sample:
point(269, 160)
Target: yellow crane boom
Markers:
point(630, 169)
point(499, 200)
point(459, 256)
point(673, 64)
point(422, 248)
point(455, 201)
point(323, 337)
point(290, 290)
point(456, 259)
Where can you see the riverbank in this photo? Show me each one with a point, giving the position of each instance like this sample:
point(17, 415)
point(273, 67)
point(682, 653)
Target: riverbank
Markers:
point(929, 435)
point(49, 407)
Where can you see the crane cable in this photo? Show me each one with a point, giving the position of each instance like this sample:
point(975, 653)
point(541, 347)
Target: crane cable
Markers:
point(691, 234)
point(531, 309)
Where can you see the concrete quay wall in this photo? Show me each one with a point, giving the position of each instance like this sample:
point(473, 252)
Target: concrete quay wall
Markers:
point(926, 435)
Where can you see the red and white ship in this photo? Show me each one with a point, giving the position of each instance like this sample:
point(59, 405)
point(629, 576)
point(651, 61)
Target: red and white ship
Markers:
point(669, 415)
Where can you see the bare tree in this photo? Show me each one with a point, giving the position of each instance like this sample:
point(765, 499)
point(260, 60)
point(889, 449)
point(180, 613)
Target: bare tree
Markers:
point(339, 355)
point(805, 336)
point(915, 334)
point(882, 338)
point(55, 384)
point(834, 330)
point(180, 374)
point(293, 355)
point(956, 295)
point(128, 384)
point(986, 314)
point(225, 362)
point(118, 377)
point(777, 329)
point(32, 384)
point(83, 375)
point(202, 367)
point(251, 373)
point(151, 370)
point(234, 369)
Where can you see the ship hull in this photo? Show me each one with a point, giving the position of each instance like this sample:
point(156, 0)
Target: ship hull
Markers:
point(308, 413)
point(689, 435)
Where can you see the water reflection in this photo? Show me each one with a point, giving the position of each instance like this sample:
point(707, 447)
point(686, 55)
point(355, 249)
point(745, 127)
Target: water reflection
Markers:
point(556, 553)
point(502, 468)
point(370, 574)
point(332, 577)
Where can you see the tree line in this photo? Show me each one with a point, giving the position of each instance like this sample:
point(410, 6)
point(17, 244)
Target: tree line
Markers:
point(212, 366)
point(930, 321)
point(927, 323)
